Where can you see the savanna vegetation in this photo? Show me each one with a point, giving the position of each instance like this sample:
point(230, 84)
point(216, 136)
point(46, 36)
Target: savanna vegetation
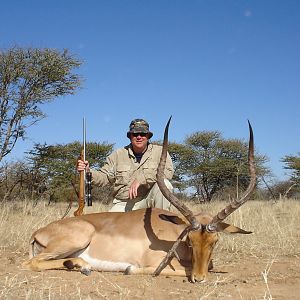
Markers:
point(209, 171)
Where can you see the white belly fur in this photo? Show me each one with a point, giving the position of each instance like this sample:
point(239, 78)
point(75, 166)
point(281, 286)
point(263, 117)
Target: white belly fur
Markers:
point(103, 265)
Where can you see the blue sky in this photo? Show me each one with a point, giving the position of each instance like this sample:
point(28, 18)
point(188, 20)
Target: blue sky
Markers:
point(212, 64)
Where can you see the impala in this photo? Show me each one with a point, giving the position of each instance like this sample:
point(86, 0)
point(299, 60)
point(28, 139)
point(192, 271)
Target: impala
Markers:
point(146, 241)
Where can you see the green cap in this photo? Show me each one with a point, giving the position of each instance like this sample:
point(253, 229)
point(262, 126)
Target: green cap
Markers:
point(139, 126)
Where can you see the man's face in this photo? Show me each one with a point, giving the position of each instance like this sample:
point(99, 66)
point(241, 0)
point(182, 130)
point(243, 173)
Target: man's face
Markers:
point(139, 141)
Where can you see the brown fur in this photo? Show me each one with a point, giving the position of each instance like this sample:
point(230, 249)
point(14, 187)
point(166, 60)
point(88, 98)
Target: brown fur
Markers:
point(139, 238)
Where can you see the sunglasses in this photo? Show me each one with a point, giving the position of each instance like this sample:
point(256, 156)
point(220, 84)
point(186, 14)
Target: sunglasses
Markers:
point(136, 134)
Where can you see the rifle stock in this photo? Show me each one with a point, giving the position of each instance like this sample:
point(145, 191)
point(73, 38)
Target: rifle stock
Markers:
point(82, 176)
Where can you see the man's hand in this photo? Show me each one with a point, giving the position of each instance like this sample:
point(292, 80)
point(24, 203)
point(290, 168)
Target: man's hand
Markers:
point(133, 189)
point(83, 165)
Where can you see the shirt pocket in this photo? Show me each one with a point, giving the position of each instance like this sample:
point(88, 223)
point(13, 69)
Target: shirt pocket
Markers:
point(150, 170)
point(123, 174)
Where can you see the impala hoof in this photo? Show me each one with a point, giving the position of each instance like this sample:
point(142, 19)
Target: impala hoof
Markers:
point(129, 270)
point(86, 271)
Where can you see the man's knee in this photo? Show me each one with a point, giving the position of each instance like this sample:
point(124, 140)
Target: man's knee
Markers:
point(168, 185)
point(118, 206)
point(156, 198)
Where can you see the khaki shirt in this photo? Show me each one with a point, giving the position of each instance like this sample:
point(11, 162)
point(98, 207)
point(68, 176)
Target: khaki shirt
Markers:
point(121, 169)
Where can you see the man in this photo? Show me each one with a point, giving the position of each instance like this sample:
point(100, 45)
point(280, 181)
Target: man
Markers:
point(132, 171)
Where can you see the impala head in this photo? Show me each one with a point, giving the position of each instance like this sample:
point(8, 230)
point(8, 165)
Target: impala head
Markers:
point(202, 230)
point(202, 244)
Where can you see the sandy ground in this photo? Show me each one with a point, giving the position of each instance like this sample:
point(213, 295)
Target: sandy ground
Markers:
point(232, 278)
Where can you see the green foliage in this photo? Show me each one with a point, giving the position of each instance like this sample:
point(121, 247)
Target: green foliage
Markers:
point(28, 79)
point(180, 155)
point(56, 164)
point(292, 163)
point(208, 164)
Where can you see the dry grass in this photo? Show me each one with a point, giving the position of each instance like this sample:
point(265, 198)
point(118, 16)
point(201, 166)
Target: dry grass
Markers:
point(275, 238)
point(273, 225)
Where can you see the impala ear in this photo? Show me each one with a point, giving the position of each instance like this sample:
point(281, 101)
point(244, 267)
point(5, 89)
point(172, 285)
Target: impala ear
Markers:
point(171, 218)
point(228, 228)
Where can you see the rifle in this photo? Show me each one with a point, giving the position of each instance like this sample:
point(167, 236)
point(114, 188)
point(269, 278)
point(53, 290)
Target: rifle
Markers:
point(85, 180)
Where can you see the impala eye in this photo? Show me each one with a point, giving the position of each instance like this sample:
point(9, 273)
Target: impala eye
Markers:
point(211, 227)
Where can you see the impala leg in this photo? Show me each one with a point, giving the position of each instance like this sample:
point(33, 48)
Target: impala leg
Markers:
point(38, 263)
point(131, 270)
point(56, 256)
point(167, 271)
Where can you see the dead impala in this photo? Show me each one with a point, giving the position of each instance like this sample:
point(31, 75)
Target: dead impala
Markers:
point(146, 241)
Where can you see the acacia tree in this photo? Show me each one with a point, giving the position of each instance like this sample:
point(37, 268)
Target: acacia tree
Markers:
point(292, 163)
point(180, 154)
point(208, 163)
point(292, 186)
point(28, 79)
point(56, 164)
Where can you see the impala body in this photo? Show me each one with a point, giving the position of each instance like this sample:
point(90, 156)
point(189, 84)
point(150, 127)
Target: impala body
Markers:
point(135, 242)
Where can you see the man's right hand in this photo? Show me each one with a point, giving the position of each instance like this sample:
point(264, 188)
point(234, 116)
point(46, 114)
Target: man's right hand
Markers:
point(83, 165)
point(133, 190)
